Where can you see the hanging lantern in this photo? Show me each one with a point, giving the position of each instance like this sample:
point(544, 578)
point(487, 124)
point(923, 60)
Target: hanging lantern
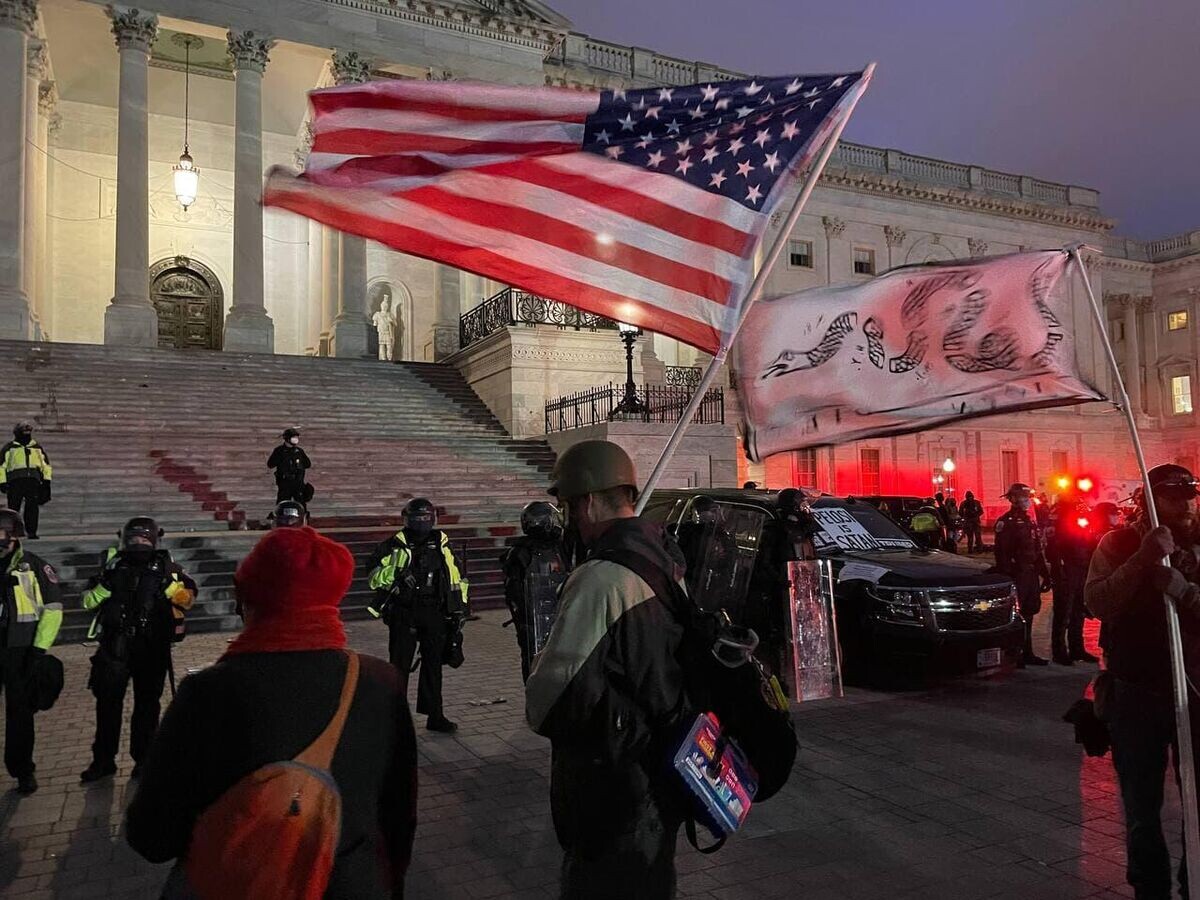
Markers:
point(187, 175)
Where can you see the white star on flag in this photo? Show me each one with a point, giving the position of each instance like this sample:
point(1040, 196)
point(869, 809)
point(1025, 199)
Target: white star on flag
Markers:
point(697, 113)
point(789, 130)
point(655, 159)
point(646, 141)
point(735, 146)
point(717, 179)
point(752, 88)
point(603, 136)
point(745, 168)
point(710, 154)
point(744, 111)
point(710, 93)
point(764, 135)
point(652, 112)
point(627, 122)
point(673, 127)
point(614, 152)
point(664, 95)
point(683, 147)
point(710, 138)
point(794, 86)
point(684, 165)
point(754, 194)
point(771, 162)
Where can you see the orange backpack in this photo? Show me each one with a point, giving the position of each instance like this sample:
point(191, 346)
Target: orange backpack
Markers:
point(274, 833)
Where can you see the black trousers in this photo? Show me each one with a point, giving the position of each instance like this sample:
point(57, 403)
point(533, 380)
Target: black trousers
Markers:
point(27, 493)
point(15, 665)
point(289, 489)
point(147, 669)
point(974, 534)
point(424, 626)
point(638, 863)
point(1066, 624)
point(1142, 725)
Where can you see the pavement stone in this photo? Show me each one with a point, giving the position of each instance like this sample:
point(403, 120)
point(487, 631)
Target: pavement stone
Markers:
point(969, 789)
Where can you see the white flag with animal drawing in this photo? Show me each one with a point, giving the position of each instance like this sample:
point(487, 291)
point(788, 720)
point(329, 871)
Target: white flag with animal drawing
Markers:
point(912, 349)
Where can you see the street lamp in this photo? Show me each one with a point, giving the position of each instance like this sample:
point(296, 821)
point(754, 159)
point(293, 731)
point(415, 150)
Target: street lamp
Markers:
point(631, 406)
point(948, 465)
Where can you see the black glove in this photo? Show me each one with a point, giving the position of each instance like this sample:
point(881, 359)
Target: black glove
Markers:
point(1172, 583)
point(38, 651)
point(4, 488)
point(46, 493)
point(1045, 584)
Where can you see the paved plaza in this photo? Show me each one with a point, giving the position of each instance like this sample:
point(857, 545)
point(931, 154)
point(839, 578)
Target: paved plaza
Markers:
point(968, 791)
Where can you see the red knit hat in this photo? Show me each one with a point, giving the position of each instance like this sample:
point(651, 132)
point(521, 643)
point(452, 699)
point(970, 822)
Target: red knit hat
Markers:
point(290, 588)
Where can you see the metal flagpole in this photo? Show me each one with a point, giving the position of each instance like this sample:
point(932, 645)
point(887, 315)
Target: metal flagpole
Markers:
point(755, 291)
point(1187, 765)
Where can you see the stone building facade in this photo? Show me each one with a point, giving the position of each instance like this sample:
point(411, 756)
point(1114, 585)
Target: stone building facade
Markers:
point(95, 247)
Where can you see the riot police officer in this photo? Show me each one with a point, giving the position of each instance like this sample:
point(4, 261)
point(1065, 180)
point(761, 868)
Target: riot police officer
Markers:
point(1069, 544)
point(711, 555)
point(289, 514)
point(422, 596)
point(290, 463)
point(30, 616)
point(1020, 556)
point(534, 566)
point(25, 476)
point(139, 597)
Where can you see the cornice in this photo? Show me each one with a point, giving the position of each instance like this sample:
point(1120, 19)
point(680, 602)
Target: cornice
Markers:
point(523, 33)
point(871, 182)
point(1117, 264)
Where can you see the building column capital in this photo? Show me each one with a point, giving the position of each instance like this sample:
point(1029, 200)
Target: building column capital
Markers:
point(350, 67)
point(249, 50)
point(976, 247)
point(833, 226)
point(47, 98)
point(20, 15)
point(133, 29)
point(893, 235)
point(1144, 302)
point(37, 60)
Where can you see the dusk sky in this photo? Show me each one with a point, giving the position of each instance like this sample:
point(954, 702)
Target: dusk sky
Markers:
point(1099, 93)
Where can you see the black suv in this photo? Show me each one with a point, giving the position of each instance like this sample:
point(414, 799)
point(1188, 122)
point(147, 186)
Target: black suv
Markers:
point(894, 601)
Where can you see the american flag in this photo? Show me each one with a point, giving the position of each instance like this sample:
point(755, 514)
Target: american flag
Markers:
point(645, 206)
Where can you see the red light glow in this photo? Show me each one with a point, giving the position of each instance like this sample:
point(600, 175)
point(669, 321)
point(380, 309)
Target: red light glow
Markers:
point(1085, 484)
point(1082, 522)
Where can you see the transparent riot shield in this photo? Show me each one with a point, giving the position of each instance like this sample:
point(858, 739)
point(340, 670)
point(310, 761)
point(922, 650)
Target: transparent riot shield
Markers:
point(543, 579)
point(720, 557)
point(812, 627)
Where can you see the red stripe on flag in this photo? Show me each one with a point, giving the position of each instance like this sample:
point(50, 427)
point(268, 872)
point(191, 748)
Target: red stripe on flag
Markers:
point(372, 142)
point(332, 101)
point(493, 265)
point(574, 239)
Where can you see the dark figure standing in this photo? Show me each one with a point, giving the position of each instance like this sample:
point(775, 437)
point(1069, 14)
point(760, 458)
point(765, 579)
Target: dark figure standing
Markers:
point(972, 519)
point(30, 616)
point(422, 597)
point(290, 464)
point(139, 597)
point(1125, 588)
point(1020, 556)
point(25, 476)
point(711, 554)
point(1069, 546)
point(534, 566)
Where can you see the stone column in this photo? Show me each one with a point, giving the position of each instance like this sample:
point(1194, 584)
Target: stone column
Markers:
point(248, 328)
point(444, 337)
point(35, 72)
point(1133, 363)
point(894, 237)
point(316, 284)
point(834, 228)
point(47, 100)
point(331, 252)
point(17, 18)
point(130, 320)
point(350, 325)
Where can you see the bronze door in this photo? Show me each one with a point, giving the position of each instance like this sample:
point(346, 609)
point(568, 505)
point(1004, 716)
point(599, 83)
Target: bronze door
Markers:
point(188, 299)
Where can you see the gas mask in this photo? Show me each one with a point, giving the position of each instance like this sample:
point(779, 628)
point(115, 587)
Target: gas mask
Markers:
point(139, 554)
point(23, 437)
point(420, 527)
point(294, 441)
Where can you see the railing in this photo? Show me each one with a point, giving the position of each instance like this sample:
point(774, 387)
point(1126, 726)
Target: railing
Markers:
point(516, 307)
point(663, 403)
point(1049, 192)
point(1001, 182)
point(684, 376)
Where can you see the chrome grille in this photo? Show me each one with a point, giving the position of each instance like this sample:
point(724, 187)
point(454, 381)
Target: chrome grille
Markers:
point(971, 609)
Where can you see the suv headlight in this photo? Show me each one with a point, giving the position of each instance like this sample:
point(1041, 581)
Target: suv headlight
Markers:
point(900, 606)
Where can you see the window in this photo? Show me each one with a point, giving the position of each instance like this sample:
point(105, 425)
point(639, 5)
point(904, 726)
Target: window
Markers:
point(800, 254)
point(1177, 321)
point(804, 472)
point(864, 261)
point(868, 472)
point(1181, 394)
point(1010, 468)
point(1059, 462)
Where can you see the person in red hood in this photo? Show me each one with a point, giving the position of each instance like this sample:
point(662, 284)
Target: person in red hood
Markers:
point(266, 700)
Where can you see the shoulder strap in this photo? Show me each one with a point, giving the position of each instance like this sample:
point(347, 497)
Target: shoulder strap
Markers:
point(664, 587)
point(319, 754)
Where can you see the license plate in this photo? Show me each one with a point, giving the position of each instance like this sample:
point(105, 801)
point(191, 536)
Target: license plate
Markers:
point(988, 659)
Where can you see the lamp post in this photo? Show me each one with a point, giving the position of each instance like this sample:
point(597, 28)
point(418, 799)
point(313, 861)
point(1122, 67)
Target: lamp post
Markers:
point(631, 406)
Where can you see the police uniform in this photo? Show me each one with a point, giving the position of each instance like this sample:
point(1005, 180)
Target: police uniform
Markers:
point(422, 597)
point(138, 608)
point(1069, 549)
point(30, 617)
point(290, 462)
point(25, 477)
point(528, 596)
point(1020, 556)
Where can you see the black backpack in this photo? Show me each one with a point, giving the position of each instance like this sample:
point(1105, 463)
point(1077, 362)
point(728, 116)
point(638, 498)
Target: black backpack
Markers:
point(743, 698)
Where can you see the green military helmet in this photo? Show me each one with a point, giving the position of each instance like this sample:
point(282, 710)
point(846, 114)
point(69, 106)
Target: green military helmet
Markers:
point(590, 467)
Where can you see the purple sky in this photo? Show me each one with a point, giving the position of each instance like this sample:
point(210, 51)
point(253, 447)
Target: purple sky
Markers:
point(1099, 93)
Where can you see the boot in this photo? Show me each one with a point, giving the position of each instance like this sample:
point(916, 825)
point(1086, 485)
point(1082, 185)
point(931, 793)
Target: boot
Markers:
point(97, 771)
point(1060, 656)
point(442, 724)
point(1029, 657)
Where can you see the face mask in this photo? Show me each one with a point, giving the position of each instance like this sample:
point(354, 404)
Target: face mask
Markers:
point(294, 441)
point(24, 437)
point(419, 528)
point(1114, 521)
point(139, 554)
point(1024, 503)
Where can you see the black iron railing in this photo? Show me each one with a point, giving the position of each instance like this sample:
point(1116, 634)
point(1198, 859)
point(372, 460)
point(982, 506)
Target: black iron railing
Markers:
point(516, 307)
point(664, 403)
point(684, 376)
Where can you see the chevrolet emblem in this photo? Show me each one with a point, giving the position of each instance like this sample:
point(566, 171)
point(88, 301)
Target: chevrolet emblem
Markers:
point(982, 605)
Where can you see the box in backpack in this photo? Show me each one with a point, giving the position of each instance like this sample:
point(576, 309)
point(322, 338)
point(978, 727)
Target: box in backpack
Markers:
point(717, 775)
point(275, 832)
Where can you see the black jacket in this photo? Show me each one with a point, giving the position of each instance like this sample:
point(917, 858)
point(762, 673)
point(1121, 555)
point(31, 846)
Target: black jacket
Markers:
point(290, 463)
point(247, 711)
point(515, 562)
point(608, 690)
point(1019, 545)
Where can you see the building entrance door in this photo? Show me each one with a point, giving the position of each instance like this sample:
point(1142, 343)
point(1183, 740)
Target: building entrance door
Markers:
point(189, 301)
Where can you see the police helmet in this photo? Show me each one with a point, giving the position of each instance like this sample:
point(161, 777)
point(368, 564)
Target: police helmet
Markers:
point(138, 530)
point(11, 524)
point(707, 511)
point(1107, 511)
point(1018, 490)
point(790, 503)
point(541, 519)
point(420, 512)
point(289, 514)
point(1171, 478)
point(591, 467)
point(289, 433)
point(22, 427)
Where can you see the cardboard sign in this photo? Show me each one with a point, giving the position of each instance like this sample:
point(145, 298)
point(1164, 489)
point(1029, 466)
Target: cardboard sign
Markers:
point(844, 530)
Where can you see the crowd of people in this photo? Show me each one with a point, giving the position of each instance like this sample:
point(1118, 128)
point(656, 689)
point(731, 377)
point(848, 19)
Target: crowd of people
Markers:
point(294, 741)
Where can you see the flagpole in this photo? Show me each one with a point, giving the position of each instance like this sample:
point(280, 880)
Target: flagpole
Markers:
point(1187, 766)
point(752, 295)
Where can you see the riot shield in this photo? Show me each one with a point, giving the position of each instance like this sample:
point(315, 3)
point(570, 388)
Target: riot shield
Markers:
point(543, 579)
point(812, 631)
point(720, 559)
